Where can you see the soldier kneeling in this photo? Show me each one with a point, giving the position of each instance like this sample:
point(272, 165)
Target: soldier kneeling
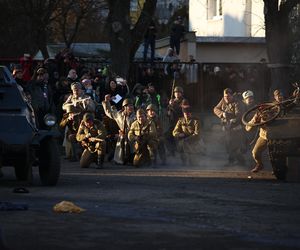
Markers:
point(187, 135)
point(91, 134)
point(143, 134)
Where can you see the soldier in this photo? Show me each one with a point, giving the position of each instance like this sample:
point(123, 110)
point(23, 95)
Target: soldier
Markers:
point(124, 119)
point(248, 99)
point(79, 102)
point(91, 134)
point(153, 117)
point(248, 103)
point(75, 106)
point(229, 111)
point(174, 113)
point(187, 135)
point(144, 136)
point(261, 142)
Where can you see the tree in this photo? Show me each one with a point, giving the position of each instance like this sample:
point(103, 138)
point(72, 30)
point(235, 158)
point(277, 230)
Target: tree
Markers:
point(40, 14)
point(72, 18)
point(279, 42)
point(124, 40)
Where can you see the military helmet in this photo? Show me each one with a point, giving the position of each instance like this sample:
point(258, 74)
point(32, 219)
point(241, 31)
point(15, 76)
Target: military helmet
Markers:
point(127, 101)
point(178, 89)
point(88, 117)
point(247, 94)
point(140, 112)
point(151, 107)
point(76, 85)
point(277, 92)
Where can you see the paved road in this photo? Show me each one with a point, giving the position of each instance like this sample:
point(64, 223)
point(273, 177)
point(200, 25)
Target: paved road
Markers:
point(171, 207)
point(207, 206)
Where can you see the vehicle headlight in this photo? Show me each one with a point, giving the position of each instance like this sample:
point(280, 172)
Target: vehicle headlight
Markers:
point(50, 120)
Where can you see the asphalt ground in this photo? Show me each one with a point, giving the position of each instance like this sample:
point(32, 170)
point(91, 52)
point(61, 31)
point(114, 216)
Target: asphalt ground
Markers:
point(205, 206)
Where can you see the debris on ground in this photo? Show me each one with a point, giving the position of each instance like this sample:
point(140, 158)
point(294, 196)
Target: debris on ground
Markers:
point(67, 207)
point(9, 206)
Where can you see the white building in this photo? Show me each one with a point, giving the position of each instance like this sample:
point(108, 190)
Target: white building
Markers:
point(228, 30)
point(224, 31)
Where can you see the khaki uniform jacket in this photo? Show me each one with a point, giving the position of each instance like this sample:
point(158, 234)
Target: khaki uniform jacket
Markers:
point(148, 130)
point(233, 110)
point(87, 105)
point(98, 131)
point(262, 130)
point(118, 116)
point(124, 123)
point(158, 125)
point(190, 127)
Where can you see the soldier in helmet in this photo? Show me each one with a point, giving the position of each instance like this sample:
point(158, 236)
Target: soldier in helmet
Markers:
point(124, 118)
point(79, 103)
point(187, 135)
point(75, 106)
point(91, 134)
point(153, 116)
point(229, 111)
point(174, 113)
point(144, 136)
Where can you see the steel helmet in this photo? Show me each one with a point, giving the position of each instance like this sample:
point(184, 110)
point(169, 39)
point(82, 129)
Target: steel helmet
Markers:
point(247, 93)
point(126, 102)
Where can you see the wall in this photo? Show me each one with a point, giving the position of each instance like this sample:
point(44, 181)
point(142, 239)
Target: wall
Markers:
point(230, 53)
point(240, 18)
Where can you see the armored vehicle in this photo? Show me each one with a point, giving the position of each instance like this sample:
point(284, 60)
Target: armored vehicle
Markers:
point(284, 141)
point(283, 131)
point(22, 143)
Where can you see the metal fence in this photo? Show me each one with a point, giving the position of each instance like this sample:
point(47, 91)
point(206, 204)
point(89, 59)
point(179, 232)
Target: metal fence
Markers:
point(203, 83)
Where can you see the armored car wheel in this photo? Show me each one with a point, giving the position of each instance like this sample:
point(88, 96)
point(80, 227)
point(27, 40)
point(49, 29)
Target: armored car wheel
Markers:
point(23, 166)
point(49, 162)
point(279, 168)
point(266, 111)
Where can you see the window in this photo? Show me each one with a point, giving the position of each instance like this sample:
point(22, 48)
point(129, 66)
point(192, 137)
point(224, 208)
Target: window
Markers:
point(214, 9)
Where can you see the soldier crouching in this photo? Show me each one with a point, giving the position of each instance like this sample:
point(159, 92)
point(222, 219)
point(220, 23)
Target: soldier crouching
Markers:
point(187, 136)
point(153, 117)
point(144, 136)
point(91, 134)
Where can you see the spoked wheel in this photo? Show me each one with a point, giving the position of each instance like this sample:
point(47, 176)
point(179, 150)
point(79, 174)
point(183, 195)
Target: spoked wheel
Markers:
point(265, 113)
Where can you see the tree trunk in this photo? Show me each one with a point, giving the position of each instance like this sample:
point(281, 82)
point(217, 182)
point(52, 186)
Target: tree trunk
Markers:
point(125, 40)
point(42, 44)
point(278, 42)
point(119, 39)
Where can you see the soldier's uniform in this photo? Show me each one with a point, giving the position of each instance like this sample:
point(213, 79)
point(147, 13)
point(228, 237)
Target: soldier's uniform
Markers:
point(93, 140)
point(230, 114)
point(79, 104)
point(262, 141)
point(75, 107)
point(160, 135)
point(187, 135)
point(124, 121)
point(174, 113)
point(144, 137)
point(259, 147)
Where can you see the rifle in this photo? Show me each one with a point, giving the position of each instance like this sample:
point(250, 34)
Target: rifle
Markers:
point(90, 143)
point(173, 86)
point(124, 141)
point(141, 142)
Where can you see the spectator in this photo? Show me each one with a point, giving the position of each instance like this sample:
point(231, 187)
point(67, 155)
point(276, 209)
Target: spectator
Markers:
point(72, 76)
point(149, 39)
point(169, 58)
point(26, 63)
point(177, 33)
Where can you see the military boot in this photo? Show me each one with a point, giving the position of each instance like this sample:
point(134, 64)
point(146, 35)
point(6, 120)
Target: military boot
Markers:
point(99, 163)
point(257, 168)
